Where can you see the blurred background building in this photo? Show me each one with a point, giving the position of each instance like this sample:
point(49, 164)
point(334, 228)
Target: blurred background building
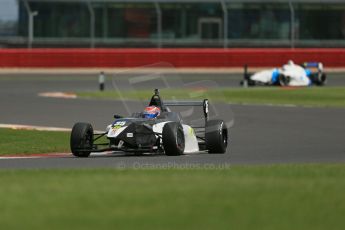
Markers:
point(172, 23)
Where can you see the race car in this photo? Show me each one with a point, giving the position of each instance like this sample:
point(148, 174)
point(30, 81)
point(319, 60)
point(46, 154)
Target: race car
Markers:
point(290, 74)
point(155, 130)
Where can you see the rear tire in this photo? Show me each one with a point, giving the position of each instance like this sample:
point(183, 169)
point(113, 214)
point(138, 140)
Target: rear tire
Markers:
point(318, 79)
point(216, 136)
point(81, 139)
point(173, 139)
point(321, 81)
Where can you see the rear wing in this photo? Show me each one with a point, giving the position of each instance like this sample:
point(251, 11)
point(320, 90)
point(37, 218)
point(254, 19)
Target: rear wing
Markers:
point(203, 103)
point(317, 65)
point(156, 100)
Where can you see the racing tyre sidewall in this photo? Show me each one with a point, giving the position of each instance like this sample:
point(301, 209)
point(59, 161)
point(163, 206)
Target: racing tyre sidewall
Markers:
point(81, 138)
point(283, 80)
point(322, 80)
point(216, 136)
point(173, 139)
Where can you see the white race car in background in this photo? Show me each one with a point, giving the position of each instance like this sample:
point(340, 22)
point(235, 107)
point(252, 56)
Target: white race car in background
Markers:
point(290, 74)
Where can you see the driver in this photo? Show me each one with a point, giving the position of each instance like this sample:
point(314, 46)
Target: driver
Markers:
point(151, 112)
point(290, 64)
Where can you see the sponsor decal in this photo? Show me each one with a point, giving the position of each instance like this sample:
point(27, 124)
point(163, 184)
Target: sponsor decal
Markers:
point(118, 125)
point(191, 131)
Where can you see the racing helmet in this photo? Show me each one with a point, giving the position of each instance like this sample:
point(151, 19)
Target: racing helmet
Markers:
point(151, 112)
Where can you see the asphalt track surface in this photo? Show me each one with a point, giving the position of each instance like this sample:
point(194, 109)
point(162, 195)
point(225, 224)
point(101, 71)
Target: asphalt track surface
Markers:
point(260, 134)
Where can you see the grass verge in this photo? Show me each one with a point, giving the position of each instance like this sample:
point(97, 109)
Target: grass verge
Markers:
point(312, 96)
point(256, 197)
point(31, 142)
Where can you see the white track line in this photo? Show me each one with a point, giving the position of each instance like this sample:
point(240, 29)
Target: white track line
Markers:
point(40, 128)
point(35, 156)
point(50, 155)
point(18, 157)
point(32, 127)
point(58, 95)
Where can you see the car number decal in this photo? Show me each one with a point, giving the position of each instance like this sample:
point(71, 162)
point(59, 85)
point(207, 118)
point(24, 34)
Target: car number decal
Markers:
point(118, 125)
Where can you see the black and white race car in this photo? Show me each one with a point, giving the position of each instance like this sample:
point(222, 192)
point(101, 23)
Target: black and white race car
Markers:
point(156, 130)
point(290, 74)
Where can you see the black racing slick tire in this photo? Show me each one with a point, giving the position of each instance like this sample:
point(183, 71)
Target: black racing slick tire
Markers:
point(173, 139)
point(81, 139)
point(216, 136)
point(318, 79)
point(283, 80)
point(321, 81)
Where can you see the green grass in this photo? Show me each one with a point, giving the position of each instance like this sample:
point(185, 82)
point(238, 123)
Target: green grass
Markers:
point(271, 197)
point(313, 96)
point(31, 142)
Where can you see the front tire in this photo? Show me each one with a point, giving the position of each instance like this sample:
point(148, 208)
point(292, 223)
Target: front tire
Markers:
point(216, 136)
point(173, 139)
point(283, 80)
point(81, 139)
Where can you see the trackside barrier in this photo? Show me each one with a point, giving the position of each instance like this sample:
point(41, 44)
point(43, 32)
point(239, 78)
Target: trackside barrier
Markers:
point(190, 57)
